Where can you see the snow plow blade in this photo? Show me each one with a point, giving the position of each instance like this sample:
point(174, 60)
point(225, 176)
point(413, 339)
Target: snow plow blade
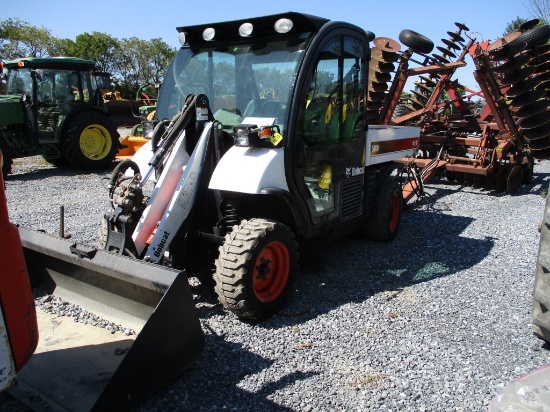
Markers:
point(80, 367)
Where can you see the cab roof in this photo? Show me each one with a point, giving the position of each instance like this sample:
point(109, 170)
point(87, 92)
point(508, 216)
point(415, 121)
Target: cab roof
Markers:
point(262, 26)
point(69, 63)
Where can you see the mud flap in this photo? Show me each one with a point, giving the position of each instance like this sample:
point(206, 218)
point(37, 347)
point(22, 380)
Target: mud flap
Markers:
point(79, 367)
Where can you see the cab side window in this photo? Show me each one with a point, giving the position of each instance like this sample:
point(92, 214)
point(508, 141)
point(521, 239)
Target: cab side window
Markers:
point(334, 102)
point(320, 116)
point(353, 92)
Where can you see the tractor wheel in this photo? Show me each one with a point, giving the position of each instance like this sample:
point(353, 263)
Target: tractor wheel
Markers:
point(541, 292)
point(416, 41)
point(7, 160)
point(383, 223)
point(534, 37)
point(90, 141)
point(256, 268)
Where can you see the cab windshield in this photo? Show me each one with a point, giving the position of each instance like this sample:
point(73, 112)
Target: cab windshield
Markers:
point(246, 83)
point(20, 82)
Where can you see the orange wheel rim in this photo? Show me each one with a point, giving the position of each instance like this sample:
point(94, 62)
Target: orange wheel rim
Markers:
point(394, 218)
point(271, 272)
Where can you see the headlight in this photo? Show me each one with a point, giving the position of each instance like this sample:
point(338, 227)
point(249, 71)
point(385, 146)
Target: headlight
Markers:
point(252, 135)
point(246, 135)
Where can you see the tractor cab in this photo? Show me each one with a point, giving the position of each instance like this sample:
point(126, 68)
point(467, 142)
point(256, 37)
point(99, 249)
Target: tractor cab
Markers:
point(52, 88)
point(53, 108)
point(292, 85)
point(246, 69)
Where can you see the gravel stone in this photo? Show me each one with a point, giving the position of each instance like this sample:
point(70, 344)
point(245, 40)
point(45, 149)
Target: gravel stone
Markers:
point(437, 320)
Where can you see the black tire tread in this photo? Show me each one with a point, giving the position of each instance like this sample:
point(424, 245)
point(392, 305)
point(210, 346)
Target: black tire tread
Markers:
point(416, 41)
point(377, 224)
point(233, 263)
point(72, 132)
point(534, 37)
point(541, 292)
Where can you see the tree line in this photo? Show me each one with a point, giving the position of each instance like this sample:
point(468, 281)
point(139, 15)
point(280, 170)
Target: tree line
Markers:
point(132, 62)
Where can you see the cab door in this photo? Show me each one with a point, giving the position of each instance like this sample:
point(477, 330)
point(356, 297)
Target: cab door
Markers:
point(330, 129)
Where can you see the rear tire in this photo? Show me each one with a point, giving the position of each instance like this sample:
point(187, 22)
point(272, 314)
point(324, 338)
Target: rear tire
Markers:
point(383, 223)
point(90, 141)
point(256, 268)
point(7, 160)
point(541, 292)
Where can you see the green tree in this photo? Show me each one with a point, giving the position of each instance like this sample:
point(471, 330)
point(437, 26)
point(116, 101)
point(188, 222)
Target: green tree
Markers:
point(132, 62)
point(20, 39)
point(160, 55)
point(540, 9)
point(514, 25)
point(99, 47)
point(140, 62)
point(62, 47)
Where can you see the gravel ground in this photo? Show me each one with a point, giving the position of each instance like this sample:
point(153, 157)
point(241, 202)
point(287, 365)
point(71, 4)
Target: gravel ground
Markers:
point(437, 320)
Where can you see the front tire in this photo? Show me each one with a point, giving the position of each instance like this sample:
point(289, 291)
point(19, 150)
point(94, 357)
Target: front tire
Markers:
point(90, 141)
point(256, 268)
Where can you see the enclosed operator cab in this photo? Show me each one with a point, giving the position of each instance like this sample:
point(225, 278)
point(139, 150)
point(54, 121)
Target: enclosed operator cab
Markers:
point(51, 89)
point(280, 150)
point(301, 80)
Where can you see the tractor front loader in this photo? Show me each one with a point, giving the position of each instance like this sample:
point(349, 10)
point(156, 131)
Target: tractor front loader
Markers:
point(268, 145)
point(79, 366)
point(53, 362)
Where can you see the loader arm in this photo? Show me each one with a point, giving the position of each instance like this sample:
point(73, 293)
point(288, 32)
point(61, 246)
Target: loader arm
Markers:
point(132, 224)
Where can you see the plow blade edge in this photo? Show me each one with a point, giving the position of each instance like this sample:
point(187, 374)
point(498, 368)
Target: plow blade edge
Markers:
point(79, 367)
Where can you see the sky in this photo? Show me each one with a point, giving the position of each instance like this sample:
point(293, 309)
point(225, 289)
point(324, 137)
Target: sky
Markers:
point(486, 19)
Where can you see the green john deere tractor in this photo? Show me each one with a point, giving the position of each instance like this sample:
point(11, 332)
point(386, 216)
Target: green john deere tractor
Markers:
point(53, 107)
